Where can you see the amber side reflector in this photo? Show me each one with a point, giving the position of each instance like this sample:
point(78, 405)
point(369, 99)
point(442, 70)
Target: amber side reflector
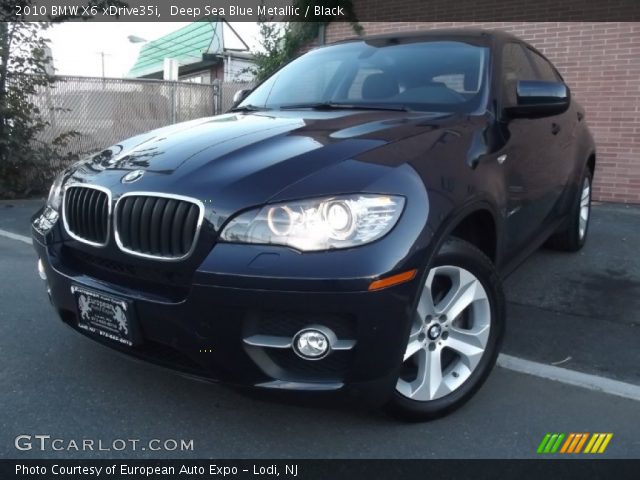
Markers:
point(393, 280)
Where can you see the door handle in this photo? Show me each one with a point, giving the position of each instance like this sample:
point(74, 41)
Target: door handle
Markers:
point(555, 128)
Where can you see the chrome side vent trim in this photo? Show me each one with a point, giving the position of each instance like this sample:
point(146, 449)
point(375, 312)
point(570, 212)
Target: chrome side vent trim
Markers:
point(270, 341)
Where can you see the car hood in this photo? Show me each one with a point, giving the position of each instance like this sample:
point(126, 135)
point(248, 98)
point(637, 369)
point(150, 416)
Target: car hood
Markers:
point(238, 160)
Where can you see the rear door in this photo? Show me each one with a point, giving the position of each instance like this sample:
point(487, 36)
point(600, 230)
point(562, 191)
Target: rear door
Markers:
point(530, 166)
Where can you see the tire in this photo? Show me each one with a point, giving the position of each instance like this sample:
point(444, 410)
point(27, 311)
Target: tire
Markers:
point(573, 234)
point(458, 264)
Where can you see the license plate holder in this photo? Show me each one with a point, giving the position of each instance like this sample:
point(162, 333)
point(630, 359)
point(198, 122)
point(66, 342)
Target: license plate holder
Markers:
point(105, 315)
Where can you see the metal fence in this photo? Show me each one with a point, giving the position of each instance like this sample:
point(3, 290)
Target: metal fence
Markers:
point(107, 110)
point(228, 90)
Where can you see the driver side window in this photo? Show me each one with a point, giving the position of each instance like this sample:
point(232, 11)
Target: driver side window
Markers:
point(515, 66)
point(309, 85)
point(355, 90)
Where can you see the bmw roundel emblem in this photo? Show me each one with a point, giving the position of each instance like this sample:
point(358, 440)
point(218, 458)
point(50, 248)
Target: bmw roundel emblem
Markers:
point(133, 176)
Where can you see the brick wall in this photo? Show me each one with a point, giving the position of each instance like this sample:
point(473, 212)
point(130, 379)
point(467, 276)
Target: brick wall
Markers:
point(601, 63)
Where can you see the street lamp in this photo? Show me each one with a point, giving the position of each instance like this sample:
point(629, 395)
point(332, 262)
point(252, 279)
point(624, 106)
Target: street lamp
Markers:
point(136, 39)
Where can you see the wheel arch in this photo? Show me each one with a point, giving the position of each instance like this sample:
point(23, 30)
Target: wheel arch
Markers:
point(591, 163)
point(479, 229)
point(476, 222)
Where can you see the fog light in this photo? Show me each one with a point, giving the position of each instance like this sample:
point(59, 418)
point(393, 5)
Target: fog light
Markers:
point(312, 343)
point(41, 272)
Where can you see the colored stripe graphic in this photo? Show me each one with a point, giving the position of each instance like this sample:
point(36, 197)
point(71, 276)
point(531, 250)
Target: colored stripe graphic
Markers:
point(556, 446)
point(591, 442)
point(573, 443)
point(565, 447)
point(543, 443)
point(576, 439)
point(551, 443)
point(607, 439)
point(581, 442)
point(598, 443)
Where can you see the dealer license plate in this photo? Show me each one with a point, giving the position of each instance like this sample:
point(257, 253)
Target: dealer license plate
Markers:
point(104, 315)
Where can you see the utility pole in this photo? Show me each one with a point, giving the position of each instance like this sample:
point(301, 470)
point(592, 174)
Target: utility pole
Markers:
point(102, 55)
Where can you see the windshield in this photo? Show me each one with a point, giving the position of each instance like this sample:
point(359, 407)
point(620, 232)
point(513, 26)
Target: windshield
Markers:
point(442, 76)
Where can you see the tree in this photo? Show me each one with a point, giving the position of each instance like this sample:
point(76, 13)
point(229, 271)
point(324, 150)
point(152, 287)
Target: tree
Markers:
point(271, 55)
point(25, 163)
point(23, 60)
point(282, 41)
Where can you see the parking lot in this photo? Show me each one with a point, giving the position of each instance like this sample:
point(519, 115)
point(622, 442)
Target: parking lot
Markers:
point(574, 326)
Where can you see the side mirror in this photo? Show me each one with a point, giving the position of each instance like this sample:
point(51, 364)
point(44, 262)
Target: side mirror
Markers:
point(240, 95)
point(539, 99)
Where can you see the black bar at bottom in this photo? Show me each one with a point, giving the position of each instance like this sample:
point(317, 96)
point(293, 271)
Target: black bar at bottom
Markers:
point(545, 469)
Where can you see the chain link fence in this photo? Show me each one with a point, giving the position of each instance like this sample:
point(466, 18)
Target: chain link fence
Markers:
point(106, 110)
point(87, 114)
point(228, 90)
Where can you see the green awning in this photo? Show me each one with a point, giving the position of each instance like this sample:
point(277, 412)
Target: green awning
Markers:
point(186, 45)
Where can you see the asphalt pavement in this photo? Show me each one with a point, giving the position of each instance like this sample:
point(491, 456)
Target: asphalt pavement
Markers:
point(576, 311)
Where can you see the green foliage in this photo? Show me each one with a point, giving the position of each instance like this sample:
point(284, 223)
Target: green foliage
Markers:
point(22, 76)
point(281, 42)
point(26, 164)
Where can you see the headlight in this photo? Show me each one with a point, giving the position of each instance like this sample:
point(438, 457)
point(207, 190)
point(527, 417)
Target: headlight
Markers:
point(318, 224)
point(55, 193)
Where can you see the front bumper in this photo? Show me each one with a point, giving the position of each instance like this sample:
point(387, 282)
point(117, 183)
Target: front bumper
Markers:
point(199, 328)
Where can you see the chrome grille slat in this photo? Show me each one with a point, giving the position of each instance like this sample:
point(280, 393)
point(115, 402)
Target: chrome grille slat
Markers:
point(146, 224)
point(85, 213)
point(154, 231)
point(177, 227)
point(91, 220)
point(156, 225)
point(145, 238)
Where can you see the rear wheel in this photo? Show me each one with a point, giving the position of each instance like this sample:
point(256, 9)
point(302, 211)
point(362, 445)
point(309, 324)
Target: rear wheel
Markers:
point(573, 235)
point(455, 335)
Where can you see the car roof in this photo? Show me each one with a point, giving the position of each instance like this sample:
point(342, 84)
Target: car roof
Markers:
point(453, 33)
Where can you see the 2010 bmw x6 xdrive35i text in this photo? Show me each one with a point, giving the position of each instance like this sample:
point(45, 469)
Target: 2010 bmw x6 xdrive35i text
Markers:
point(342, 231)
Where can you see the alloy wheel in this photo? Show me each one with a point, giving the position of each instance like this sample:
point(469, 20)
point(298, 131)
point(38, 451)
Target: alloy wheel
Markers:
point(449, 334)
point(585, 208)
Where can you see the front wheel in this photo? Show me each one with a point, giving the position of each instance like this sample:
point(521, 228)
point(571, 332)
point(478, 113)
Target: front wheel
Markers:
point(455, 335)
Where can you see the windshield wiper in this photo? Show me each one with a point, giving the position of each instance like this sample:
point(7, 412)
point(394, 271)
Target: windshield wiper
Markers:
point(247, 108)
point(344, 106)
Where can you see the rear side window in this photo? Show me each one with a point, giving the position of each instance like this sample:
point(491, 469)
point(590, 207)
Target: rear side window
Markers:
point(544, 69)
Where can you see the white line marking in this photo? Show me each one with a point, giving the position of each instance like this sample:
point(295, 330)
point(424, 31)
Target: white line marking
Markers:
point(15, 236)
point(570, 377)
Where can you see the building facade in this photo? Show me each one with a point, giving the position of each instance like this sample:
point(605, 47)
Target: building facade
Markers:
point(601, 63)
point(204, 51)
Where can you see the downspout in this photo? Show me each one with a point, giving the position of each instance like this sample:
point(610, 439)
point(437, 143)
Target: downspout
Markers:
point(322, 34)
